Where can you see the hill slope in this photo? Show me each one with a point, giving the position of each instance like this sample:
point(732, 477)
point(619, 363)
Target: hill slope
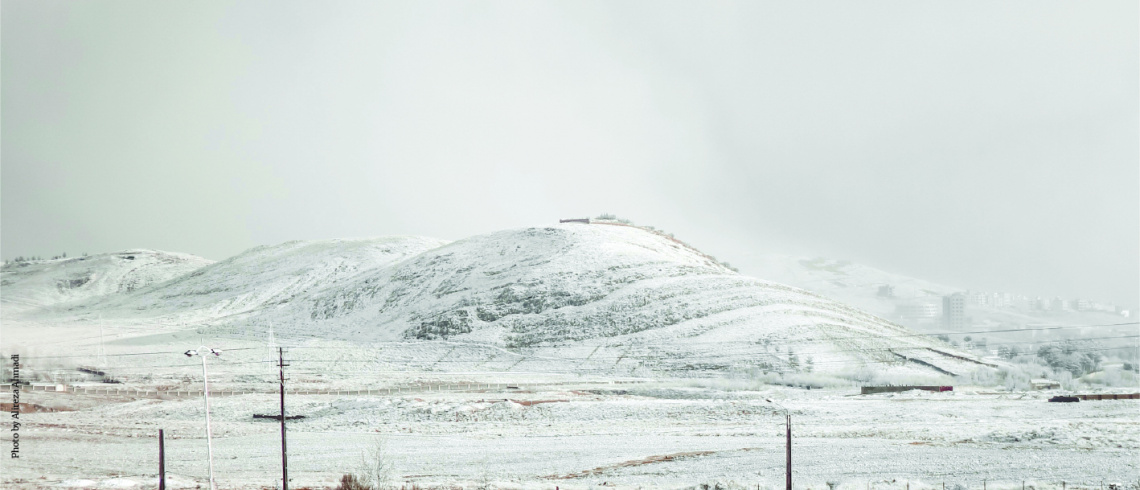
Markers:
point(261, 278)
point(45, 283)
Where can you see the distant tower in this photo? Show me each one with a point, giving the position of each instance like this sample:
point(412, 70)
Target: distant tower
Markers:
point(954, 311)
point(102, 352)
point(272, 344)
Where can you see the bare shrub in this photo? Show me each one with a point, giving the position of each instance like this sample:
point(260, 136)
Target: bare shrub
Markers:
point(375, 466)
point(374, 471)
point(351, 482)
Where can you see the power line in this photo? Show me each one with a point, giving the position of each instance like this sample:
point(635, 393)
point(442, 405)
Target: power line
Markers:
point(784, 341)
point(132, 354)
point(632, 357)
point(871, 335)
point(888, 349)
point(876, 336)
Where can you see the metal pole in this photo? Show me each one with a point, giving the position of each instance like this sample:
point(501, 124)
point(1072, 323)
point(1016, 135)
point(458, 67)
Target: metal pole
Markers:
point(789, 472)
point(209, 437)
point(161, 461)
point(284, 457)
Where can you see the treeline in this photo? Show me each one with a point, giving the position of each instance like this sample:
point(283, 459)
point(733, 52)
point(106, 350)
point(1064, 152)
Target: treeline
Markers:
point(1067, 357)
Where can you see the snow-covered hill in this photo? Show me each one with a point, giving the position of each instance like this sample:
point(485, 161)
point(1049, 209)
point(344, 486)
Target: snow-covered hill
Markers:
point(45, 283)
point(596, 293)
point(577, 287)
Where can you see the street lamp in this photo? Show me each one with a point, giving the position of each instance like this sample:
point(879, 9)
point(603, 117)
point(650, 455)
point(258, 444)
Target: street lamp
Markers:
point(788, 425)
point(201, 351)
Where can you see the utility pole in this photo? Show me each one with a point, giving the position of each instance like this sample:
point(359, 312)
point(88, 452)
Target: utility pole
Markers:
point(789, 472)
point(161, 462)
point(284, 455)
point(788, 427)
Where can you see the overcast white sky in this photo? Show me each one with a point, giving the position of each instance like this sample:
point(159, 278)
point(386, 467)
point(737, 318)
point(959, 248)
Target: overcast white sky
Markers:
point(989, 145)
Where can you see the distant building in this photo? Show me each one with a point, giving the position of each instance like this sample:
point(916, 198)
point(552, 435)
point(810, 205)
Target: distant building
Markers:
point(1098, 306)
point(1000, 300)
point(886, 291)
point(1081, 304)
point(954, 311)
point(976, 298)
point(918, 309)
point(1044, 384)
point(1058, 304)
point(1035, 303)
point(1025, 302)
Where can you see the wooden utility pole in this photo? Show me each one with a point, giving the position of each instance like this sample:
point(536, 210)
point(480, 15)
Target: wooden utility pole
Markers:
point(284, 455)
point(161, 461)
point(789, 472)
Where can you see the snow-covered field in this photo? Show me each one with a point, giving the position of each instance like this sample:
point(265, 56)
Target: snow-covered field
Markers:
point(657, 434)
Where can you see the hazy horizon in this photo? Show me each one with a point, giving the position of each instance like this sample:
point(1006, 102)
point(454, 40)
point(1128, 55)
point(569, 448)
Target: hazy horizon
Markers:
point(984, 146)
